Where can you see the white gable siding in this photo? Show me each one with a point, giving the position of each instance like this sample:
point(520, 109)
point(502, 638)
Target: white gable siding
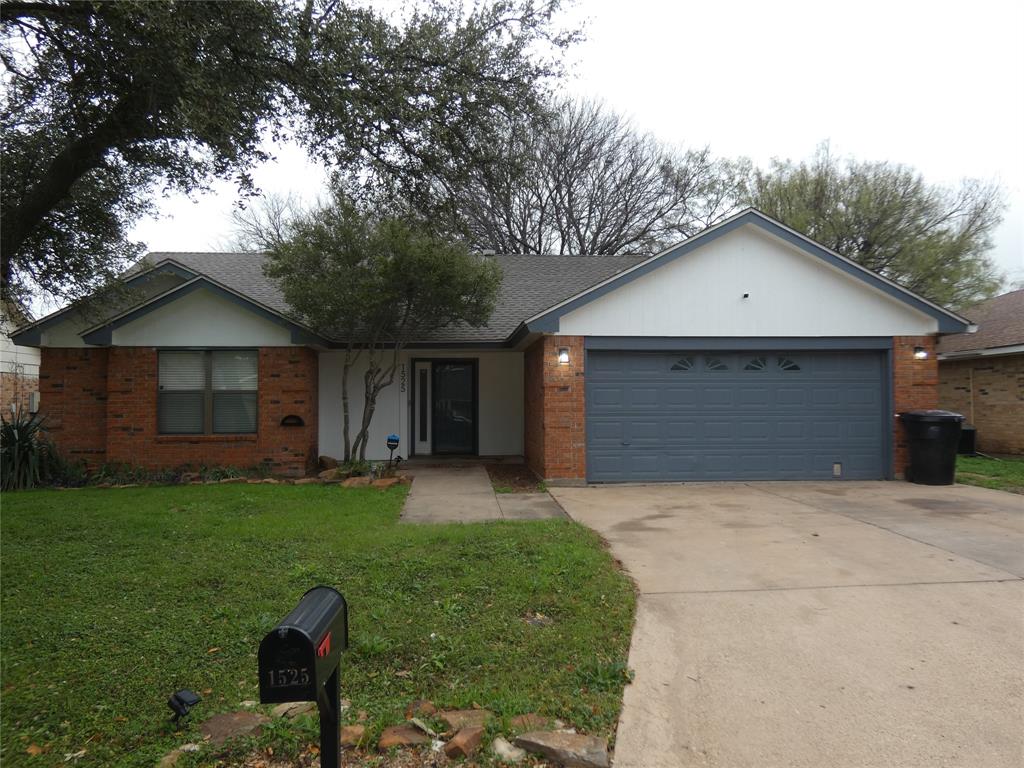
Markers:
point(14, 359)
point(791, 294)
point(202, 319)
point(500, 407)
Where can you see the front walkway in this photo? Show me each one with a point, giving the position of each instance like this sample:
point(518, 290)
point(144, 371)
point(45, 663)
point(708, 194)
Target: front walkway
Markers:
point(463, 494)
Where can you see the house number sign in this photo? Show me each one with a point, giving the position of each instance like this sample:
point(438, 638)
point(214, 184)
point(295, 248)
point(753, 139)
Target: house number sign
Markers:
point(401, 377)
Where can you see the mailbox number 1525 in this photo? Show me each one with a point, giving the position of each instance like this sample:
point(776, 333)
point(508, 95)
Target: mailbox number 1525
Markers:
point(282, 678)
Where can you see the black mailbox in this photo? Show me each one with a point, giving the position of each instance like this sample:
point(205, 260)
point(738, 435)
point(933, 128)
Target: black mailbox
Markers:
point(299, 660)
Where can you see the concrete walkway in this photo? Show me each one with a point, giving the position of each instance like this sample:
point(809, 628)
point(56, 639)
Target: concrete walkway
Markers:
point(848, 625)
point(465, 495)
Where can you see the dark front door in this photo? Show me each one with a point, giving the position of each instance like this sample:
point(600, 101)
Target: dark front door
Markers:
point(454, 407)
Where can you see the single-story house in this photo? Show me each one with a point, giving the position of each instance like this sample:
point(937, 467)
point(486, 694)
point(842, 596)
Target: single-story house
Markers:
point(746, 352)
point(981, 375)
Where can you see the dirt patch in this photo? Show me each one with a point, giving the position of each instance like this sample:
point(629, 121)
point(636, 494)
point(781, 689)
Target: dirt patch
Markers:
point(513, 478)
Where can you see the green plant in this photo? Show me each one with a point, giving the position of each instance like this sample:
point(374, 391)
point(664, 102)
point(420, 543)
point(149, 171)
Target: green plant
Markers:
point(27, 458)
point(604, 675)
point(66, 473)
point(220, 473)
point(355, 467)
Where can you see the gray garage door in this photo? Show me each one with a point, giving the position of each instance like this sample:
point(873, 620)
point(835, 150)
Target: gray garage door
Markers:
point(734, 416)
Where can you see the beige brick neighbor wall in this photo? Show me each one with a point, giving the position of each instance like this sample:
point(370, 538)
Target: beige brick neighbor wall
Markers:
point(989, 391)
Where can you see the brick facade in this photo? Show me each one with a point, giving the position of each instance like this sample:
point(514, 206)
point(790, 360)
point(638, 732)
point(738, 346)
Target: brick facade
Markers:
point(102, 406)
point(915, 386)
point(73, 397)
point(555, 417)
point(989, 391)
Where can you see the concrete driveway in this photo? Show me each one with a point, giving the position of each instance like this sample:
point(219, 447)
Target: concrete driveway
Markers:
point(819, 624)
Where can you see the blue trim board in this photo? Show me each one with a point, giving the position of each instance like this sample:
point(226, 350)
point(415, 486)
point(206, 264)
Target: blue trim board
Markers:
point(948, 323)
point(726, 343)
point(103, 336)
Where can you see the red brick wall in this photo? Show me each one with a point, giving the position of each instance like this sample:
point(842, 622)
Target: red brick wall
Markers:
point(127, 426)
point(989, 391)
point(555, 420)
point(915, 385)
point(73, 396)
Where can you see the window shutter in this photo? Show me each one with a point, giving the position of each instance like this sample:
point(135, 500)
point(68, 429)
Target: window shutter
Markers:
point(234, 371)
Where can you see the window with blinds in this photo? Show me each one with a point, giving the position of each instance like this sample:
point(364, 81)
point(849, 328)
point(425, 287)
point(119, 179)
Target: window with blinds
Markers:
point(207, 392)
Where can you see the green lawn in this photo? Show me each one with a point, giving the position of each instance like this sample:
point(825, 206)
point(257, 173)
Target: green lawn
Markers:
point(1005, 474)
point(112, 599)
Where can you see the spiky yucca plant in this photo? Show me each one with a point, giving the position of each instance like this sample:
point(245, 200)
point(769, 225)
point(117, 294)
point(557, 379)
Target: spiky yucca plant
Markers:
point(26, 456)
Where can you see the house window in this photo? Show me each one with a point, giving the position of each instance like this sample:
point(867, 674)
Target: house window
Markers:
point(756, 364)
point(683, 364)
point(715, 364)
point(788, 365)
point(207, 392)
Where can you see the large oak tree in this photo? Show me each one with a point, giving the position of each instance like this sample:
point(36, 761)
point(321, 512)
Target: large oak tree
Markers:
point(107, 103)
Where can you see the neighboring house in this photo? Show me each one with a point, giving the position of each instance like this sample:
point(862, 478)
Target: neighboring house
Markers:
point(746, 352)
point(981, 375)
point(19, 366)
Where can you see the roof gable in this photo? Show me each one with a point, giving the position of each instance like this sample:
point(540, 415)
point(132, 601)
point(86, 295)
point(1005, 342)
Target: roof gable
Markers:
point(745, 284)
point(948, 322)
point(102, 334)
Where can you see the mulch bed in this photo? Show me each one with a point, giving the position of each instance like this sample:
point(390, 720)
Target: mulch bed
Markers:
point(516, 477)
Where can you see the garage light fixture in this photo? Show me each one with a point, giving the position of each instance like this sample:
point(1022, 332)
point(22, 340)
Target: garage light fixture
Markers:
point(563, 356)
point(920, 353)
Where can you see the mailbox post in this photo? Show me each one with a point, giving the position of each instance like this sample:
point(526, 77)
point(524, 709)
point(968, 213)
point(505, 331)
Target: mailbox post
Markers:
point(300, 660)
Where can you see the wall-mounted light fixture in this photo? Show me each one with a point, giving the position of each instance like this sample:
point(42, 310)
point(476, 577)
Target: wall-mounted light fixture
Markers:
point(920, 353)
point(563, 356)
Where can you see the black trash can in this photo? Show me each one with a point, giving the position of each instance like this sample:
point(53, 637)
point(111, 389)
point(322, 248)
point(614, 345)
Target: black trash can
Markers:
point(933, 437)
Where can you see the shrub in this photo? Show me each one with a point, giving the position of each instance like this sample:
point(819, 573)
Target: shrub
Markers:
point(27, 458)
point(355, 467)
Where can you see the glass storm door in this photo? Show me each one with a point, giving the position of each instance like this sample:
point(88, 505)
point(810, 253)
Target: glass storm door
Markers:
point(454, 407)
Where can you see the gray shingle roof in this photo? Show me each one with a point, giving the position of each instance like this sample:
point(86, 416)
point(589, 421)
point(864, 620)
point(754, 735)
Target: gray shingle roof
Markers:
point(529, 285)
point(1000, 322)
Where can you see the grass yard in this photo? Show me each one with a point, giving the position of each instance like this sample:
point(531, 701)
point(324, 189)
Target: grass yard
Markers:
point(1006, 474)
point(113, 599)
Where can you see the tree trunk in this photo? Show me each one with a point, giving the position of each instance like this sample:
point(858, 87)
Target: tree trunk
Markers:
point(376, 379)
point(351, 355)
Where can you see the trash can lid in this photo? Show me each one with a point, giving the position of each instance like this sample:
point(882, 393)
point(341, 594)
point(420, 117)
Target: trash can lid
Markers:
point(924, 415)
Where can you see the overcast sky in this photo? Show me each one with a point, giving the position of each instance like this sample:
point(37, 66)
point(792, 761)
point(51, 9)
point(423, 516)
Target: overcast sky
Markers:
point(936, 85)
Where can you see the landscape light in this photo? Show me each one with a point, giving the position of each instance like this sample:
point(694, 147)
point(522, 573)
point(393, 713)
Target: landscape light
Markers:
point(920, 353)
point(181, 702)
point(563, 356)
